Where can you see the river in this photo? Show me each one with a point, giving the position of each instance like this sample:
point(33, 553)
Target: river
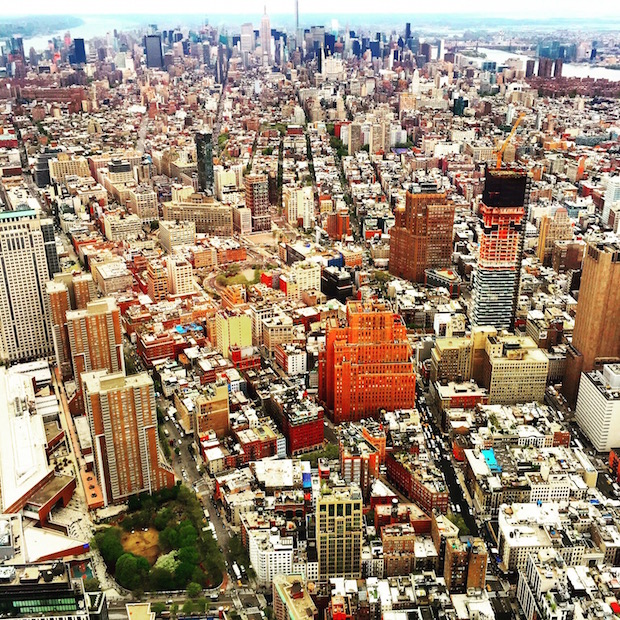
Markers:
point(568, 69)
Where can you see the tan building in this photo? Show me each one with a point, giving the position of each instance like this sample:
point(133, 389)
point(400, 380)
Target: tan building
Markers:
point(156, 280)
point(291, 600)
point(143, 203)
point(339, 532)
point(208, 215)
point(212, 411)
point(515, 370)
point(596, 336)
point(172, 234)
point(119, 227)
point(112, 276)
point(122, 415)
point(68, 165)
point(180, 276)
point(451, 359)
point(556, 227)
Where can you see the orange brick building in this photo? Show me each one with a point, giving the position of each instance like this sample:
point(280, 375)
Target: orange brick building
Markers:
point(366, 364)
point(122, 415)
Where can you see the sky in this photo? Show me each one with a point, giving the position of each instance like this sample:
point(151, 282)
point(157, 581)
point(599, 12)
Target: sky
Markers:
point(522, 8)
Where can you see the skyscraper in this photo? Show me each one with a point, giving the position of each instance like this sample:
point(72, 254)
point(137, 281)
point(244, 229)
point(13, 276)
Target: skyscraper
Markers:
point(257, 201)
point(339, 532)
point(265, 37)
point(366, 364)
point(24, 316)
point(422, 235)
point(96, 343)
point(49, 241)
point(154, 54)
point(596, 336)
point(79, 52)
point(122, 415)
point(247, 38)
point(612, 195)
point(496, 285)
point(204, 155)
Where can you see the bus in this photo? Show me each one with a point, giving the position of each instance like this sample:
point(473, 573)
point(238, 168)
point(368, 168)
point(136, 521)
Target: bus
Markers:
point(236, 570)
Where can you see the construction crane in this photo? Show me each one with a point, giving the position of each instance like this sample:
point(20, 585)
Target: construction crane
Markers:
point(500, 153)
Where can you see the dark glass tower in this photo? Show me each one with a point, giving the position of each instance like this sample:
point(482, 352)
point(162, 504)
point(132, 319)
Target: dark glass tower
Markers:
point(154, 54)
point(204, 156)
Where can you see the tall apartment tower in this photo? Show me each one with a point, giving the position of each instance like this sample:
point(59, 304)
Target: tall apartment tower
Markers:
point(366, 365)
point(596, 336)
point(154, 53)
point(496, 286)
point(49, 241)
point(96, 342)
point(122, 415)
point(247, 38)
point(422, 235)
point(67, 292)
point(339, 532)
point(204, 156)
point(257, 201)
point(24, 315)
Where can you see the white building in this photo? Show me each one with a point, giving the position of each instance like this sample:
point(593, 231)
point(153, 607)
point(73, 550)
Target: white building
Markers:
point(598, 407)
point(120, 227)
point(612, 195)
point(180, 276)
point(172, 234)
point(270, 555)
point(24, 314)
point(299, 205)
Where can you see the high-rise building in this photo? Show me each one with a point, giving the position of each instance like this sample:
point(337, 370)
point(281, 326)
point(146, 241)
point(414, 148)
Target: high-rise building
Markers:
point(156, 280)
point(122, 415)
point(66, 292)
point(204, 156)
point(247, 38)
point(154, 53)
point(339, 532)
point(422, 235)
point(265, 37)
point(596, 336)
point(557, 68)
point(366, 363)
point(612, 195)
point(49, 241)
point(556, 227)
point(257, 201)
point(545, 67)
point(496, 286)
point(24, 315)
point(598, 407)
point(180, 276)
point(355, 138)
point(79, 52)
point(96, 342)
point(529, 67)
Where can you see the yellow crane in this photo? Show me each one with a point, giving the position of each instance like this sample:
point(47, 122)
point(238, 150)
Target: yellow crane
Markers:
point(500, 153)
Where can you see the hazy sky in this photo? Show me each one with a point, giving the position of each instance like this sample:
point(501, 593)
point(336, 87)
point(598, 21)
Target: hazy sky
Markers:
point(522, 8)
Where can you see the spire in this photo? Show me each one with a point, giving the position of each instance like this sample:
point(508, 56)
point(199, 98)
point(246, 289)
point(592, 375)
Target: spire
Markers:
point(265, 8)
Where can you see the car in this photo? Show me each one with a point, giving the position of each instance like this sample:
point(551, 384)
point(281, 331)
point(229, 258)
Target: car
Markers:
point(179, 442)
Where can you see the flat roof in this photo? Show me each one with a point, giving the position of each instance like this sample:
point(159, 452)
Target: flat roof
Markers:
point(23, 460)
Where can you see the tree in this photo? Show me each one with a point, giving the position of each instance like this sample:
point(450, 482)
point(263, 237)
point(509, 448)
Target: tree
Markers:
point(188, 607)
point(158, 608)
point(160, 578)
point(127, 571)
point(92, 584)
point(108, 542)
point(193, 590)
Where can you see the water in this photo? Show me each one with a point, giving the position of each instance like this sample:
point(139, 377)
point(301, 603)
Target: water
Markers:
point(568, 69)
